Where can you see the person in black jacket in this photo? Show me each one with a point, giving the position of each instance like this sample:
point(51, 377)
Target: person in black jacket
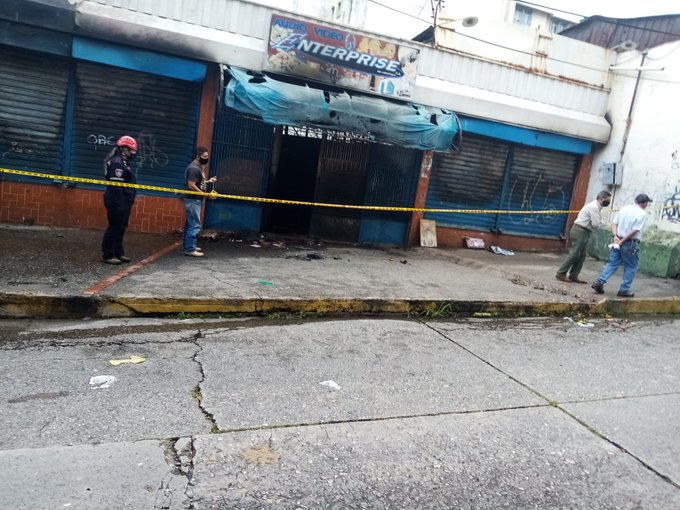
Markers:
point(118, 200)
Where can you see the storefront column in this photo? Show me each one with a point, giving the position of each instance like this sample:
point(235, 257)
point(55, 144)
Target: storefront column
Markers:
point(206, 115)
point(578, 195)
point(421, 197)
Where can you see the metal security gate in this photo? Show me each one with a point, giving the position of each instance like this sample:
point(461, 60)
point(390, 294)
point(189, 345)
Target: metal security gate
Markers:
point(240, 159)
point(392, 181)
point(340, 180)
point(33, 92)
point(490, 174)
point(539, 180)
point(470, 179)
point(159, 112)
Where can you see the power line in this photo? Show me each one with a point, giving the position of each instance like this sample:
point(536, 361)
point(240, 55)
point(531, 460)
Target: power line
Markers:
point(521, 51)
point(428, 21)
point(532, 54)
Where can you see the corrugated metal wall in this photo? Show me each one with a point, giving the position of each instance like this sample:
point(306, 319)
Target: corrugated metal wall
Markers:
point(33, 92)
point(159, 112)
point(489, 174)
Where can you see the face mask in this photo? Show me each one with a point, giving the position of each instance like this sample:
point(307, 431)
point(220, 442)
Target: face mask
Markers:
point(606, 203)
point(203, 161)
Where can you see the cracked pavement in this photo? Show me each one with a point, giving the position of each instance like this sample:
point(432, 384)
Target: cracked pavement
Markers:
point(420, 414)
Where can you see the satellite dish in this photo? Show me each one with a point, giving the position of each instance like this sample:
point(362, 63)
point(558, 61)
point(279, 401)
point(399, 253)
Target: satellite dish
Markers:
point(470, 21)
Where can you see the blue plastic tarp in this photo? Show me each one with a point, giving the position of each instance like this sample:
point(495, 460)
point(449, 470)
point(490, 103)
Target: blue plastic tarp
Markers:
point(280, 103)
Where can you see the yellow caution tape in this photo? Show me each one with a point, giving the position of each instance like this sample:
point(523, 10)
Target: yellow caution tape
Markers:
point(214, 194)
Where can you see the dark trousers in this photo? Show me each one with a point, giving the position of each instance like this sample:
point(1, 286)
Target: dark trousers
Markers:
point(118, 214)
point(577, 254)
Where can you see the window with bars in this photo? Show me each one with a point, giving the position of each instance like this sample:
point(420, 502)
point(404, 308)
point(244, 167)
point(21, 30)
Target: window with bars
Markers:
point(557, 25)
point(522, 15)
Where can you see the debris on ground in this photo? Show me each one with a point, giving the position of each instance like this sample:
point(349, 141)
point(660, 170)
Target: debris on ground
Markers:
point(265, 282)
point(99, 382)
point(501, 251)
point(580, 322)
point(134, 360)
point(518, 280)
point(330, 384)
point(474, 243)
point(310, 256)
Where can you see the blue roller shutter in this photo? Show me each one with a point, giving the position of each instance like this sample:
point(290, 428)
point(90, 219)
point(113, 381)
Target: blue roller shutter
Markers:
point(469, 179)
point(490, 174)
point(33, 92)
point(159, 112)
point(539, 179)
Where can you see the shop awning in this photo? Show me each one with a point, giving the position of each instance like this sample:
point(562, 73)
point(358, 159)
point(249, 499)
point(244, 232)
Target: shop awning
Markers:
point(280, 103)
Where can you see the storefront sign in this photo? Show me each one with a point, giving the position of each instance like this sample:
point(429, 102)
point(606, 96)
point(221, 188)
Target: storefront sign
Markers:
point(345, 59)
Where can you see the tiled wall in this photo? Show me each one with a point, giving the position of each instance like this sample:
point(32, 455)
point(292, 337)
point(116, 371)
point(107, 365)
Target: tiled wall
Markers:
point(57, 206)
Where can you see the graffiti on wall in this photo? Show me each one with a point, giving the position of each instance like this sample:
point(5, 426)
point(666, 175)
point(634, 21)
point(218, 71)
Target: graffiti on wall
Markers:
point(148, 152)
point(538, 194)
point(101, 140)
point(25, 148)
point(671, 207)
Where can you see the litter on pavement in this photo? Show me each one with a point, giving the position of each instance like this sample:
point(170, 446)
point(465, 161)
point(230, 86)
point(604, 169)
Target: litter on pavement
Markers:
point(330, 384)
point(581, 322)
point(99, 382)
point(501, 251)
point(132, 359)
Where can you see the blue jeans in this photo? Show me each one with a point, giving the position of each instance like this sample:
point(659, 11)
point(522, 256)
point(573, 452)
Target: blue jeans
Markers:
point(627, 256)
point(192, 225)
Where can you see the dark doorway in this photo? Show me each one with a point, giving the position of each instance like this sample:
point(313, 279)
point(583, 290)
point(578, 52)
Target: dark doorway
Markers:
point(295, 179)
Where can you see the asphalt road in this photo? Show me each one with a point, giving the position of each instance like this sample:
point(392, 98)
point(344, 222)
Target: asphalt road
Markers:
point(244, 413)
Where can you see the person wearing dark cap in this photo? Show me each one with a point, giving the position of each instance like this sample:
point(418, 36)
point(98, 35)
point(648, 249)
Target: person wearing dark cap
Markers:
point(625, 249)
point(588, 219)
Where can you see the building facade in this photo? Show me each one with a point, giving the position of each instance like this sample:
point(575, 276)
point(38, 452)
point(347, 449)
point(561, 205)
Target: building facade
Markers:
point(529, 112)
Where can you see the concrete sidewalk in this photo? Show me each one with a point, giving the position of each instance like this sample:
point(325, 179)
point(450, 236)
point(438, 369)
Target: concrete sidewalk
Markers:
point(47, 272)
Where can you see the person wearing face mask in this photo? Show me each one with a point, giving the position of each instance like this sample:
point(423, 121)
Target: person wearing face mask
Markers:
point(588, 219)
point(118, 200)
point(195, 181)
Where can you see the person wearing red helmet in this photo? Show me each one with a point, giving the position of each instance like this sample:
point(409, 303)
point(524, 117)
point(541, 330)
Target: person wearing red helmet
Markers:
point(118, 200)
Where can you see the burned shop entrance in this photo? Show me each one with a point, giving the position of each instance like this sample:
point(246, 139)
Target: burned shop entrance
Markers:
point(314, 165)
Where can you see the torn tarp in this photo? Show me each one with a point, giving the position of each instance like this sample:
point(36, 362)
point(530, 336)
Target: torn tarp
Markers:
point(408, 125)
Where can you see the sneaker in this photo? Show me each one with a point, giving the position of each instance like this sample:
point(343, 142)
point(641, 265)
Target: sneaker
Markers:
point(123, 258)
point(562, 277)
point(199, 249)
point(598, 287)
point(625, 293)
point(576, 279)
point(194, 253)
point(113, 260)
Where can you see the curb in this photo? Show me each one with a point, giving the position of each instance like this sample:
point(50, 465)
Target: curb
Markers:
point(70, 307)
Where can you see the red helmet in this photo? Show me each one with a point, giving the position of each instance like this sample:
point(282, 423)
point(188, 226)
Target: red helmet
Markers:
point(127, 141)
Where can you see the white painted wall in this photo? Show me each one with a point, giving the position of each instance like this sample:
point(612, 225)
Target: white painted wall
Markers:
point(651, 160)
